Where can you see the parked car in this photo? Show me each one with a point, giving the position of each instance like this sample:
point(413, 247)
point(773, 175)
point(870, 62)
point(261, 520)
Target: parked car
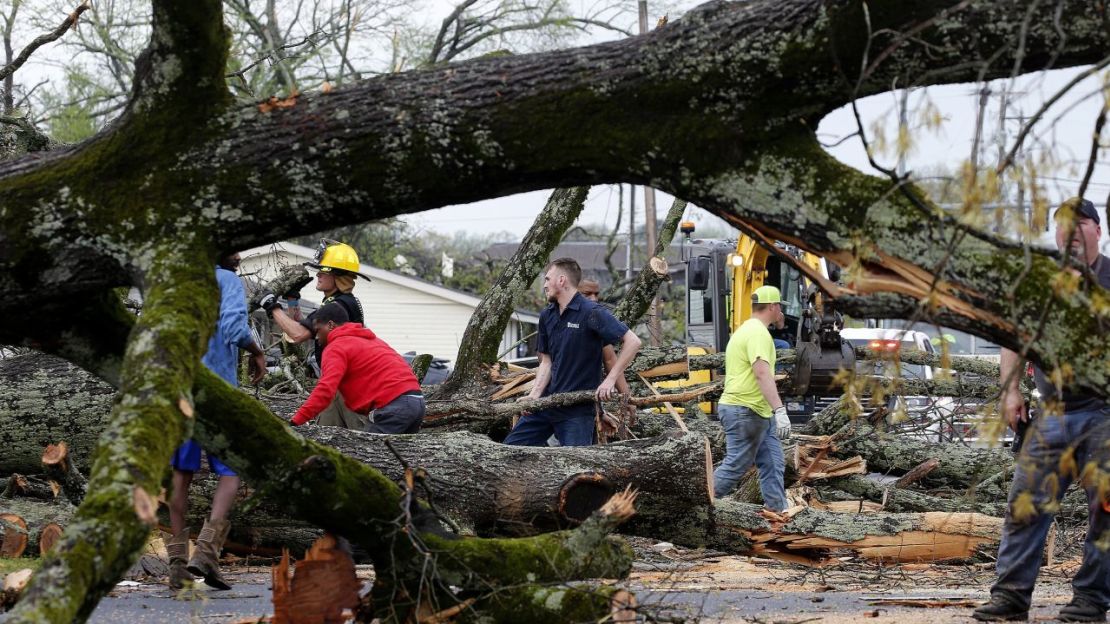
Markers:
point(437, 372)
point(924, 416)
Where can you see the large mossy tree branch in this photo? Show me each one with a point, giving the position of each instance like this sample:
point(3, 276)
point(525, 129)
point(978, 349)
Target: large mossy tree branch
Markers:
point(919, 259)
point(722, 78)
point(482, 338)
point(148, 422)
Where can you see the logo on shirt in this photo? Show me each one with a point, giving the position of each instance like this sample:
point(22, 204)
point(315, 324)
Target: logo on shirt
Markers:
point(572, 325)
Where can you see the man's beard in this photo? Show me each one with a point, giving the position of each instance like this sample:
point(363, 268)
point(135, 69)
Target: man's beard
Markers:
point(553, 298)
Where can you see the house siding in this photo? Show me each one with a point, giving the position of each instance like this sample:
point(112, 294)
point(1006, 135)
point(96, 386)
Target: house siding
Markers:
point(407, 319)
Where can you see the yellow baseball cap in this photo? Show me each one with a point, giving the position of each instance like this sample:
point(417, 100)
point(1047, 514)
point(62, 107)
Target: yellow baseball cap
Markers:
point(766, 294)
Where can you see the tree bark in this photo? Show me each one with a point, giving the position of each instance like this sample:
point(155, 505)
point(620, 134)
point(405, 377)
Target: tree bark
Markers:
point(959, 467)
point(44, 400)
point(494, 489)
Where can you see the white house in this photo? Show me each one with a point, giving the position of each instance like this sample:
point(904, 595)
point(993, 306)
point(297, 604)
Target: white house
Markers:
point(408, 313)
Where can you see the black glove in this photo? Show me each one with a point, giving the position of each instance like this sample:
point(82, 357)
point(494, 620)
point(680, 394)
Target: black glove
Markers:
point(268, 302)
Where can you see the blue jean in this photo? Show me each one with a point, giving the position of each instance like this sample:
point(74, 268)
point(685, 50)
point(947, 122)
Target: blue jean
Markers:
point(1040, 472)
point(750, 437)
point(535, 429)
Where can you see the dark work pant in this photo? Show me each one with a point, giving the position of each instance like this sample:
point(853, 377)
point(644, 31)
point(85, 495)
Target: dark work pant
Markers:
point(401, 415)
point(1057, 451)
point(535, 429)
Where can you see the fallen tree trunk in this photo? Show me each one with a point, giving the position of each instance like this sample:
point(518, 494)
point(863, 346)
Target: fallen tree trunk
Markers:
point(31, 487)
point(900, 500)
point(43, 400)
point(812, 536)
point(494, 489)
point(959, 467)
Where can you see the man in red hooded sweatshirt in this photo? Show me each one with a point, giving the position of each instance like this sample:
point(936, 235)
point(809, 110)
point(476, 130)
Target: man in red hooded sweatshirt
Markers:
point(370, 375)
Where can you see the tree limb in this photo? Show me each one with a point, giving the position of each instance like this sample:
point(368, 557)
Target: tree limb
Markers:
point(69, 22)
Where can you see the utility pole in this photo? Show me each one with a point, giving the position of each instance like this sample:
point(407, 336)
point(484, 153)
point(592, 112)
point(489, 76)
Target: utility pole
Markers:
point(655, 326)
point(631, 232)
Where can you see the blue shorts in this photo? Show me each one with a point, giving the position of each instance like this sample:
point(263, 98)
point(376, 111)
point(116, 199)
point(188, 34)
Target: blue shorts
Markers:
point(187, 459)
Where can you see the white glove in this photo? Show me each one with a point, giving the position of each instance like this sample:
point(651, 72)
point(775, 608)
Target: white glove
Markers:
point(782, 423)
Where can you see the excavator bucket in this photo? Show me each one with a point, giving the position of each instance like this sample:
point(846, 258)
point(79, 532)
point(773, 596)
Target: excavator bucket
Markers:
point(816, 366)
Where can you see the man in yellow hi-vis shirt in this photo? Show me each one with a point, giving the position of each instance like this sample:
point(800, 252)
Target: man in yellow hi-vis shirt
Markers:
point(751, 412)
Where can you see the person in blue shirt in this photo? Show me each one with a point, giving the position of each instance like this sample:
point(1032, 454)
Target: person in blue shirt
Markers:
point(232, 334)
point(572, 332)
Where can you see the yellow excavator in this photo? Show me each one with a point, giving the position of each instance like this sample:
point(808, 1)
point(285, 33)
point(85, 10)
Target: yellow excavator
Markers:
point(721, 276)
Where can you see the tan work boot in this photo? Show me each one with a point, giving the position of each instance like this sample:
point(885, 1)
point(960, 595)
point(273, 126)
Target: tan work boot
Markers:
point(206, 556)
point(177, 547)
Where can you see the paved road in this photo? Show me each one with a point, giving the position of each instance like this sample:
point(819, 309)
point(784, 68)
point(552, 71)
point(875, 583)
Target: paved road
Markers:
point(154, 604)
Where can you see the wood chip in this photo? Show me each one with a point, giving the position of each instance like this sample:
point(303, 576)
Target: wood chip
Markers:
point(146, 507)
point(185, 407)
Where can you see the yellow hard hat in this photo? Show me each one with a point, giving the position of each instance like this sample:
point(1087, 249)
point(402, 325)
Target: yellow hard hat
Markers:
point(332, 256)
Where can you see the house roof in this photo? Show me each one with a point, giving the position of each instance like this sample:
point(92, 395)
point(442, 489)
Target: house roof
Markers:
point(391, 277)
point(589, 254)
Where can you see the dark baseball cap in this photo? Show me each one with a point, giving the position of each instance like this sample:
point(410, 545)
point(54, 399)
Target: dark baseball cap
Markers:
point(1081, 208)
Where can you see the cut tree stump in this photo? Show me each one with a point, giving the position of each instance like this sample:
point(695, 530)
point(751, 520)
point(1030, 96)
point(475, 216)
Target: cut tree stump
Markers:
point(322, 589)
point(12, 587)
point(14, 540)
point(49, 535)
point(59, 466)
point(34, 517)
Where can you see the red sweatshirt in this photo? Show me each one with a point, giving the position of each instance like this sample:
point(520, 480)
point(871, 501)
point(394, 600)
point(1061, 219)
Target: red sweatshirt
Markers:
point(363, 367)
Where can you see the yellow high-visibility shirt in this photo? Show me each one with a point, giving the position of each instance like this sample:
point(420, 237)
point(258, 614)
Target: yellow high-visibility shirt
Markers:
point(750, 342)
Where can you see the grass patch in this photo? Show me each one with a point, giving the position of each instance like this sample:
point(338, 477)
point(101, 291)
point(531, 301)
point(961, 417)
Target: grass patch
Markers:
point(11, 565)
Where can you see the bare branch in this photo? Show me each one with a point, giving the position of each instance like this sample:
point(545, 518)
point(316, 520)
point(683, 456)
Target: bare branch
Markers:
point(69, 22)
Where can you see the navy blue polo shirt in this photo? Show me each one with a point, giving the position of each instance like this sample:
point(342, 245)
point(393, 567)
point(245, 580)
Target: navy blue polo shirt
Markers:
point(574, 340)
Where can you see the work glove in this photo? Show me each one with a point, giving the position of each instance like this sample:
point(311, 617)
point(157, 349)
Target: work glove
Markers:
point(782, 423)
point(268, 302)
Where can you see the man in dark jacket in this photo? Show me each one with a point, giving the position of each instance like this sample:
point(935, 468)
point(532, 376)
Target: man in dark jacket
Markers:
point(1070, 441)
point(367, 372)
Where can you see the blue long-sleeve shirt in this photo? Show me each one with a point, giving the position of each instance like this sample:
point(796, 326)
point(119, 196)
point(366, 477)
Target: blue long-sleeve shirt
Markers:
point(232, 331)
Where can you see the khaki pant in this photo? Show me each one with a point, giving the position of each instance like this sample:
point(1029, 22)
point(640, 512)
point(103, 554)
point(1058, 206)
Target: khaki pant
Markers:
point(337, 415)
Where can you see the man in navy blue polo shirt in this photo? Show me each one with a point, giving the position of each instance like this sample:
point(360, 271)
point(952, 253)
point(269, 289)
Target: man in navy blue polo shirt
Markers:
point(573, 330)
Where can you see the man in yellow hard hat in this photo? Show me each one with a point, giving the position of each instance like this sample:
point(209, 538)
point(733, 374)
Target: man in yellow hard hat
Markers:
point(336, 266)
